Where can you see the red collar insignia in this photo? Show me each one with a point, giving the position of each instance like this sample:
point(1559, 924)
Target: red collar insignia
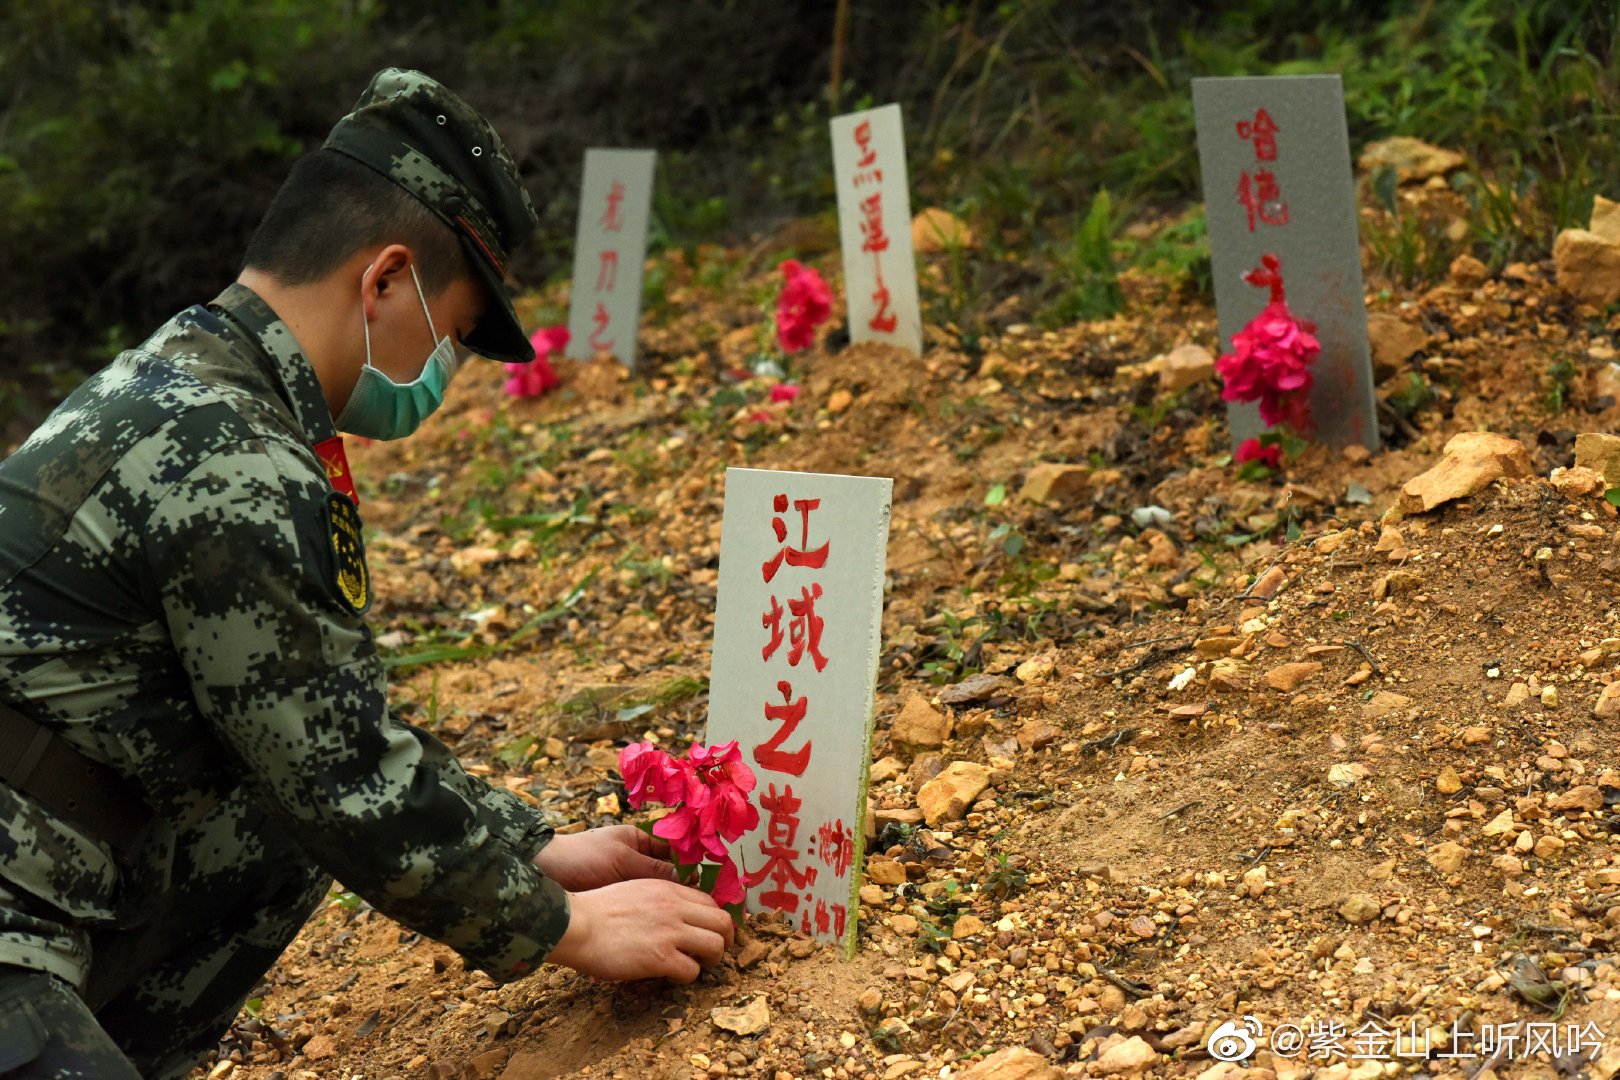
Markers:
point(337, 467)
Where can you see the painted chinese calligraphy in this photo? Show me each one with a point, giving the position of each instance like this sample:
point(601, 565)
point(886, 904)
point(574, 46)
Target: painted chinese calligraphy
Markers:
point(874, 241)
point(607, 274)
point(1260, 193)
point(801, 555)
point(781, 830)
point(613, 217)
point(802, 635)
point(769, 754)
point(835, 846)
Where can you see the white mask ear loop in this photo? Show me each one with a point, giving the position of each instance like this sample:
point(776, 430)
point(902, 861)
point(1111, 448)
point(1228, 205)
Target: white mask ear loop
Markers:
point(450, 361)
point(423, 297)
point(365, 323)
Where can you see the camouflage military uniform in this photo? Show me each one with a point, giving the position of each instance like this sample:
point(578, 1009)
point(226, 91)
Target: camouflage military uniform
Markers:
point(181, 597)
point(46, 1033)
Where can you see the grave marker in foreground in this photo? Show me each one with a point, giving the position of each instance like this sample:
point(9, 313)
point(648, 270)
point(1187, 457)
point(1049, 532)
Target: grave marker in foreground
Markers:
point(796, 642)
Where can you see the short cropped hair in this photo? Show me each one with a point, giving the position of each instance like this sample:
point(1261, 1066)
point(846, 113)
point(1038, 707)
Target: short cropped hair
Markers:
point(332, 206)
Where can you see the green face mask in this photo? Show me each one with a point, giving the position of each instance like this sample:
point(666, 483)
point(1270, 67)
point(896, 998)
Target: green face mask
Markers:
point(380, 408)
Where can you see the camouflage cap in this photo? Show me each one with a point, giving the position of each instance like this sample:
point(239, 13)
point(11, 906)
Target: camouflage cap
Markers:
point(434, 145)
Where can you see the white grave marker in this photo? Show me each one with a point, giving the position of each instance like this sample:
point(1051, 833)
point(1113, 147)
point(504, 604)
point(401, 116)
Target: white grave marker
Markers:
point(1275, 157)
point(874, 222)
point(610, 245)
point(796, 636)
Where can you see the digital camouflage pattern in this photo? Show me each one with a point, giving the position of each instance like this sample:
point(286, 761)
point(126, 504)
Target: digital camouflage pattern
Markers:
point(46, 1033)
point(424, 138)
point(173, 601)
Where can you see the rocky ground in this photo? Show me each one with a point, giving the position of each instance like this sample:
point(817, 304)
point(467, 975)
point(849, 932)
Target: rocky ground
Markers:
point(1217, 747)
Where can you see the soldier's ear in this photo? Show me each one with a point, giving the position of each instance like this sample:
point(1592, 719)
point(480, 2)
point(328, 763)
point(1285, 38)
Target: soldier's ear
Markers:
point(383, 273)
point(392, 266)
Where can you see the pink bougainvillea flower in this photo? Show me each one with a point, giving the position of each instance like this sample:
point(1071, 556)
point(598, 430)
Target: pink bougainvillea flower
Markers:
point(726, 813)
point(1271, 357)
point(728, 886)
point(536, 377)
point(653, 775)
point(685, 835)
point(1251, 450)
point(1271, 363)
point(804, 304)
point(549, 340)
point(784, 392)
point(708, 790)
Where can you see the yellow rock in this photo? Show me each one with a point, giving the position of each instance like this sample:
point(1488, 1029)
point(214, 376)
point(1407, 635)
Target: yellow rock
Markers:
point(1055, 481)
point(1290, 676)
point(934, 230)
point(750, 1019)
point(1472, 462)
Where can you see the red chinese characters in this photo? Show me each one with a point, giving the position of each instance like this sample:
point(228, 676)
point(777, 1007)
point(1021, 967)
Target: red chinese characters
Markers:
point(607, 271)
point(793, 634)
point(613, 216)
point(781, 857)
point(874, 240)
point(868, 158)
point(769, 754)
point(835, 847)
point(1259, 191)
point(804, 629)
point(599, 321)
point(1262, 131)
point(801, 555)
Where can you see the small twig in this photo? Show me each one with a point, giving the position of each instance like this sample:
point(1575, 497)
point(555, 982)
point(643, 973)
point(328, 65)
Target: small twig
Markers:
point(952, 1017)
point(1167, 815)
point(1108, 742)
point(1365, 655)
point(1262, 853)
point(1153, 657)
point(1152, 641)
point(1387, 411)
point(1135, 989)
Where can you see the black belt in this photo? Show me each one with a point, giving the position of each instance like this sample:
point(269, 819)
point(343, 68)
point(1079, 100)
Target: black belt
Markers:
point(47, 768)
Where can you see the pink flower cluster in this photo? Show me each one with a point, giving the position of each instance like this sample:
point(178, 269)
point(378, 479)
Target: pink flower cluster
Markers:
point(1270, 363)
point(536, 377)
point(804, 304)
point(1269, 455)
point(709, 791)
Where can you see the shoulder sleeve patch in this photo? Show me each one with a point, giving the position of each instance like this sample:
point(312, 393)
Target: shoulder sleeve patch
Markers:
point(352, 579)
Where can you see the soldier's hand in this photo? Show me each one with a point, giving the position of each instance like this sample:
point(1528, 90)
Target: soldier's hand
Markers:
point(590, 860)
point(643, 929)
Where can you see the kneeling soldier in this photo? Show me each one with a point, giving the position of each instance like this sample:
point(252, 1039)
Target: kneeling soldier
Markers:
point(194, 731)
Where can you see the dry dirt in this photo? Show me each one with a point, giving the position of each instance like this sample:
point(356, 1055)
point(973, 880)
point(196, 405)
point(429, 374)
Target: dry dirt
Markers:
point(1147, 862)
